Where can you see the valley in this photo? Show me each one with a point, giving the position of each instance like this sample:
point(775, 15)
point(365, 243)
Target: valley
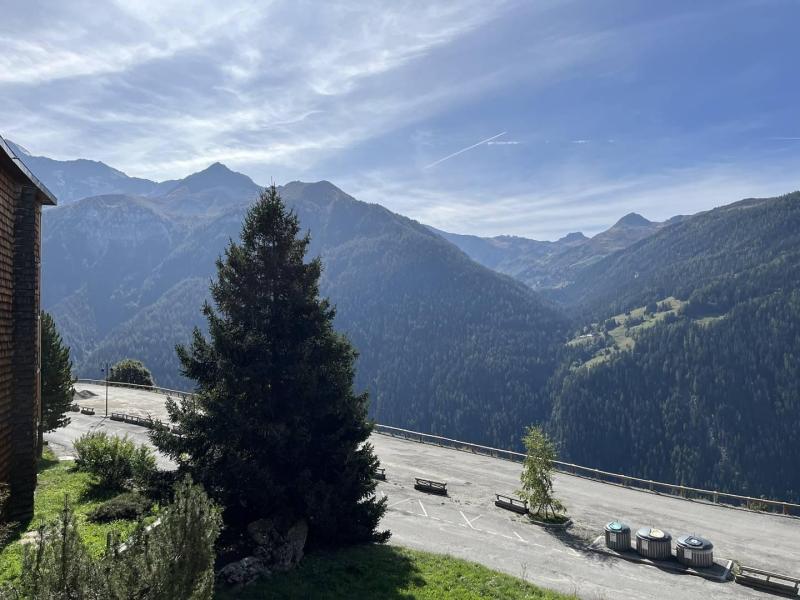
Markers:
point(684, 329)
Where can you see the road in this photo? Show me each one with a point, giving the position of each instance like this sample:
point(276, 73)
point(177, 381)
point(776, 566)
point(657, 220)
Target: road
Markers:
point(466, 523)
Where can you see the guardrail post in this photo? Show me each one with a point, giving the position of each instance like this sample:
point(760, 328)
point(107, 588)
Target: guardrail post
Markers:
point(715, 498)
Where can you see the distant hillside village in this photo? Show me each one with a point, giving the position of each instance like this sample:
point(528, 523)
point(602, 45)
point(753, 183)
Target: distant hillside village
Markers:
point(21, 200)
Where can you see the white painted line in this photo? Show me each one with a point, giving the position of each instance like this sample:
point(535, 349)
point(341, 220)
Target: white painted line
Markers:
point(519, 537)
point(424, 512)
point(490, 531)
point(383, 494)
point(469, 523)
point(398, 502)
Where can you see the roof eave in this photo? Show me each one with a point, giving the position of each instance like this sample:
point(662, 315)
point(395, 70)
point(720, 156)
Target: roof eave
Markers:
point(45, 196)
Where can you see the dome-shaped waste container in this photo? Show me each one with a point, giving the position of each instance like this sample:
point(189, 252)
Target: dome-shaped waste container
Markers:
point(694, 551)
point(618, 536)
point(653, 543)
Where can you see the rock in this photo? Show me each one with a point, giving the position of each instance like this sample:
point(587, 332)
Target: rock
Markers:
point(279, 550)
point(242, 572)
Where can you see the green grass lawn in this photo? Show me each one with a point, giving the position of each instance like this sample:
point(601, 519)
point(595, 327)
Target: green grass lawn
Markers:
point(57, 480)
point(391, 573)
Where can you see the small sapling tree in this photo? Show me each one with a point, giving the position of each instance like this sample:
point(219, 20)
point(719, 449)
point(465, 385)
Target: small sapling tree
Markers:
point(537, 475)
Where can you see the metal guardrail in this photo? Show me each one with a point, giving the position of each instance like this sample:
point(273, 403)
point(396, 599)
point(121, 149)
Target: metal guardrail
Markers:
point(658, 487)
point(670, 489)
point(145, 388)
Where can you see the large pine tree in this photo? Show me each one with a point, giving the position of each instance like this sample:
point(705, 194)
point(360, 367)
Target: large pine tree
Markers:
point(56, 379)
point(275, 429)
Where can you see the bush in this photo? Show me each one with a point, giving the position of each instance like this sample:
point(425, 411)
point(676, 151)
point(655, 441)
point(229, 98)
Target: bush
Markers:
point(174, 559)
point(131, 371)
point(130, 505)
point(57, 565)
point(114, 460)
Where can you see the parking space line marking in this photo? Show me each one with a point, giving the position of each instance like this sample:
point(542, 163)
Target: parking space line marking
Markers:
point(469, 523)
point(398, 502)
point(518, 536)
point(424, 512)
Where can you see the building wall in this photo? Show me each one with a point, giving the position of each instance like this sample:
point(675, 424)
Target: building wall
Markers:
point(20, 220)
point(8, 192)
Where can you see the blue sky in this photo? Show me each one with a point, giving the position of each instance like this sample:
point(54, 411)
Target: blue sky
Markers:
point(604, 107)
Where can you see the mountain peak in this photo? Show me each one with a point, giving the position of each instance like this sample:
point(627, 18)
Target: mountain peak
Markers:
point(214, 176)
point(575, 236)
point(633, 220)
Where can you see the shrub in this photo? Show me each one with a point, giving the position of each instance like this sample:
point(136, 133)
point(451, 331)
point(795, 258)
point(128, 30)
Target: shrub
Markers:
point(130, 505)
point(143, 466)
point(174, 559)
point(57, 565)
point(131, 371)
point(114, 460)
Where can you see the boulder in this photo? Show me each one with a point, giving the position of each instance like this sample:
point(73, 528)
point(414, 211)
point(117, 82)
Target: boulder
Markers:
point(242, 572)
point(279, 549)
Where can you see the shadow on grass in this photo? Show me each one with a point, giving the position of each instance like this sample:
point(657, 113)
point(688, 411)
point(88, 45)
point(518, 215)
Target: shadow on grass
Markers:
point(369, 571)
point(47, 461)
point(98, 493)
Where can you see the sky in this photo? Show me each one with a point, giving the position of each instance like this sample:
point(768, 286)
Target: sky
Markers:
point(509, 117)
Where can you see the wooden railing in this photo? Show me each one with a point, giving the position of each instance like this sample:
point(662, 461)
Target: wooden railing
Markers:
point(671, 489)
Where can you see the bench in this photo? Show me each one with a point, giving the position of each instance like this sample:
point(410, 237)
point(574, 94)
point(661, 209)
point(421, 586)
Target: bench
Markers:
point(87, 411)
point(380, 473)
point(511, 503)
point(766, 580)
point(117, 417)
point(430, 487)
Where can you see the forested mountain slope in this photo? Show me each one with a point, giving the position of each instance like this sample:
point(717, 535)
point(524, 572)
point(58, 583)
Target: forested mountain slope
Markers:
point(735, 251)
point(446, 345)
point(709, 396)
point(713, 405)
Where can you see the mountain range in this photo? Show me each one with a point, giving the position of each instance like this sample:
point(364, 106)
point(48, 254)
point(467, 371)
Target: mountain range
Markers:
point(127, 275)
point(665, 350)
point(550, 265)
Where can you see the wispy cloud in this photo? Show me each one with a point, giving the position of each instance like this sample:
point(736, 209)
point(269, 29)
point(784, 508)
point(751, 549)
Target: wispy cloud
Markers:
point(376, 96)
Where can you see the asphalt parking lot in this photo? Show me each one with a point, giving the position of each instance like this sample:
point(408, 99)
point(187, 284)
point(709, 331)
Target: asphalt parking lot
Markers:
point(466, 523)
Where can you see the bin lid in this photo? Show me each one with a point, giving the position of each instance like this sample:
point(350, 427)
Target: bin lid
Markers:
point(617, 527)
point(651, 533)
point(694, 542)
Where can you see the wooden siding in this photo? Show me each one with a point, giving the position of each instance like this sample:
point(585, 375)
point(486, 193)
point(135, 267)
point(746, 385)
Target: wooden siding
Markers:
point(20, 222)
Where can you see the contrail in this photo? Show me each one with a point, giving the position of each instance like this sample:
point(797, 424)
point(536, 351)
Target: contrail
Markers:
point(441, 160)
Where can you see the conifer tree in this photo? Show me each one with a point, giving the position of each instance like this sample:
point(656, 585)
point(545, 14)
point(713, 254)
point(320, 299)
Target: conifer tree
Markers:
point(56, 379)
point(537, 473)
point(275, 429)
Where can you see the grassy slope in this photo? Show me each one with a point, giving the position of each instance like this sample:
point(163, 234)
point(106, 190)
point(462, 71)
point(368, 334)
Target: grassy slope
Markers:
point(389, 572)
point(57, 480)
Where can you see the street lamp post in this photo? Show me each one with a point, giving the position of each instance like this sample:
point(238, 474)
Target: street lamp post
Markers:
point(105, 368)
